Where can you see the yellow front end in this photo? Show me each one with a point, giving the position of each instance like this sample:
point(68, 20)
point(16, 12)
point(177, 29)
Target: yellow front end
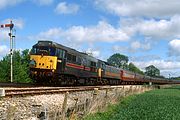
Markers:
point(42, 68)
point(44, 62)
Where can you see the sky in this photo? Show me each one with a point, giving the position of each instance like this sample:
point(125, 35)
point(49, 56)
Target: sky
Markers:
point(147, 31)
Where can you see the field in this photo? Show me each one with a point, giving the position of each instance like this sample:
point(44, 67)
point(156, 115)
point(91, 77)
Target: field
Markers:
point(161, 104)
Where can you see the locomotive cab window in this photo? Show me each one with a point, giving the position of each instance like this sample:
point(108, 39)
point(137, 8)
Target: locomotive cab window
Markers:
point(45, 50)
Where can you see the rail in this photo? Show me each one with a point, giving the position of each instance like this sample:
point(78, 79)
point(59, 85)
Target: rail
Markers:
point(12, 92)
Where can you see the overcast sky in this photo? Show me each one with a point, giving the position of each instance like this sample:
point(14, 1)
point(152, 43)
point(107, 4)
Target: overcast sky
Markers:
point(147, 31)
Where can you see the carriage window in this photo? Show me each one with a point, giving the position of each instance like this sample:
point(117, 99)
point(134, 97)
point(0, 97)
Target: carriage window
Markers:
point(84, 62)
point(103, 66)
point(79, 61)
point(64, 54)
point(100, 64)
point(60, 53)
point(71, 57)
point(93, 64)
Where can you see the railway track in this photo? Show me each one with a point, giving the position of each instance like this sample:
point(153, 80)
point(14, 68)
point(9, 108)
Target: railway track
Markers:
point(15, 92)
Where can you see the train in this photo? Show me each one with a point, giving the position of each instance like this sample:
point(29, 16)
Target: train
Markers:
point(55, 64)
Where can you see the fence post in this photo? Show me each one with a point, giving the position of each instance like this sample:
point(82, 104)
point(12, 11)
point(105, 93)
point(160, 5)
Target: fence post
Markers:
point(130, 90)
point(116, 94)
point(134, 91)
point(95, 93)
point(72, 117)
point(86, 106)
point(124, 94)
point(106, 97)
point(142, 89)
point(137, 89)
point(96, 90)
point(64, 107)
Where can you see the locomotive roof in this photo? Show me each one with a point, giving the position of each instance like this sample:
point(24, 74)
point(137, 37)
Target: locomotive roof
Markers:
point(68, 49)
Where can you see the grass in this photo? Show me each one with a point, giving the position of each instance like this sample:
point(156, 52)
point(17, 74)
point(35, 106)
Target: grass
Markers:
point(162, 104)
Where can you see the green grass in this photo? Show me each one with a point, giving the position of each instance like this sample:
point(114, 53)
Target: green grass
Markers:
point(162, 104)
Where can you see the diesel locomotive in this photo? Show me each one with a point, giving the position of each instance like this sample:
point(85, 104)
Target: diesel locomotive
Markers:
point(53, 63)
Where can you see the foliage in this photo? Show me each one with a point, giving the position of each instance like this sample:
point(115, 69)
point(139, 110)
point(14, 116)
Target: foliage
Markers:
point(176, 78)
point(5, 69)
point(118, 60)
point(162, 104)
point(20, 67)
point(161, 77)
point(152, 71)
point(133, 68)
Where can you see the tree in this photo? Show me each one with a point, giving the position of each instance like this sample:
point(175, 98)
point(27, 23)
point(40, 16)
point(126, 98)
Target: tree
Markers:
point(176, 78)
point(5, 69)
point(135, 69)
point(21, 64)
point(118, 60)
point(20, 67)
point(152, 71)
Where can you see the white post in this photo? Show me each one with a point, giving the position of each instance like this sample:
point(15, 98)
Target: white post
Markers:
point(11, 51)
point(11, 25)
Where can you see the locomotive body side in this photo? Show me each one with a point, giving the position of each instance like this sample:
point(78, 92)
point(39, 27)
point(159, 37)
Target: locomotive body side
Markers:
point(127, 75)
point(139, 78)
point(61, 62)
point(112, 72)
point(52, 62)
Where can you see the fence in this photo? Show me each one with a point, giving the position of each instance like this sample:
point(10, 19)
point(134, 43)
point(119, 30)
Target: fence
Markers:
point(96, 100)
point(73, 105)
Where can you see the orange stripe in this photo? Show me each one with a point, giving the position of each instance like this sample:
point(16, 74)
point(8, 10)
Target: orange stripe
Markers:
point(87, 68)
point(130, 79)
point(112, 74)
point(75, 66)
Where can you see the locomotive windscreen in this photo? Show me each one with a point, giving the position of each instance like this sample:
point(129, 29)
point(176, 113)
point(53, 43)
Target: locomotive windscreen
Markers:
point(39, 50)
point(44, 43)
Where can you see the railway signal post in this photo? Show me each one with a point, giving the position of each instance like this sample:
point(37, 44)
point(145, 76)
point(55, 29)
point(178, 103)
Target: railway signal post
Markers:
point(11, 25)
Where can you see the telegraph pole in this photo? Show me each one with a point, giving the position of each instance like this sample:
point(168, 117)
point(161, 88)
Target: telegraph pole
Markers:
point(11, 25)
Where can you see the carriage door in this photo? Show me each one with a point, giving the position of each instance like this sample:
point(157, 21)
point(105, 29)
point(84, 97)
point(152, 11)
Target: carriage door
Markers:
point(61, 55)
point(101, 69)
